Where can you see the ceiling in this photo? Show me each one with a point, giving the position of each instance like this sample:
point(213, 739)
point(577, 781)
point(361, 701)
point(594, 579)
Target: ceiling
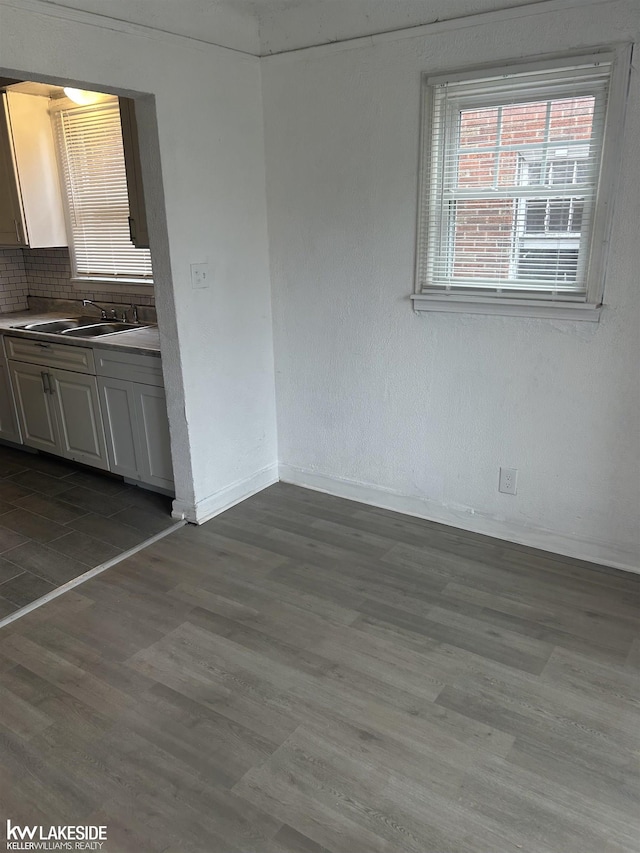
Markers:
point(272, 26)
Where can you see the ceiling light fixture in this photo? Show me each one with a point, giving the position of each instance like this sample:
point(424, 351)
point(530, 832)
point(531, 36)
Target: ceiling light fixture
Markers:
point(81, 97)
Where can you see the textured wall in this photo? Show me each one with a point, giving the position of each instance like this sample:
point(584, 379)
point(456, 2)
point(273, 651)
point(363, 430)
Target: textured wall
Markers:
point(415, 411)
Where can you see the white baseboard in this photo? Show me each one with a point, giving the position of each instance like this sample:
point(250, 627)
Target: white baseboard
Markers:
point(232, 494)
point(594, 552)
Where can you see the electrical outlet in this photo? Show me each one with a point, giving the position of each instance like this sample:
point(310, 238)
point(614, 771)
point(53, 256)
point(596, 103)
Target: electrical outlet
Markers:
point(508, 481)
point(199, 276)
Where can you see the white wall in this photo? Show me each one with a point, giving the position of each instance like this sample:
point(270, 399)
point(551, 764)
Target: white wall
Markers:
point(290, 26)
point(222, 22)
point(418, 412)
point(217, 346)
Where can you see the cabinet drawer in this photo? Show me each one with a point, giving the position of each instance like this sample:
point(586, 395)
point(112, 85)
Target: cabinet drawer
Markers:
point(65, 356)
point(133, 367)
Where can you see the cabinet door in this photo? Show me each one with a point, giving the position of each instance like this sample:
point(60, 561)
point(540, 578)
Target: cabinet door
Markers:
point(37, 168)
point(153, 429)
point(137, 214)
point(79, 418)
point(34, 405)
point(120, 426)
point(8, 421)
point(11, 230)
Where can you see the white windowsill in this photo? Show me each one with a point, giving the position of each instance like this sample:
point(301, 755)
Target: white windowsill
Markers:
point(515, 307)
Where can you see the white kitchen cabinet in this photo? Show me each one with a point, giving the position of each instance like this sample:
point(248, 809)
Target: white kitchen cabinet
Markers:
point(153, 427)
point(59, 411)
point(135, 417)
point(81, 435)
point(9, 430)
point(137, 431)
point(116, 420)
point(34, 405)
point(31, 210)
point(120, 426)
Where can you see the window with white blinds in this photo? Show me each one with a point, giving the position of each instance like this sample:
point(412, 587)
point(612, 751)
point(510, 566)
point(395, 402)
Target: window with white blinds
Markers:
point(95, 190)
point(511, 169)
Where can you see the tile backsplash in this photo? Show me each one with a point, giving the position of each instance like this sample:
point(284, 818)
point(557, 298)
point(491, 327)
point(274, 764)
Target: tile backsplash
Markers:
point(13, 281)
point(47, 273)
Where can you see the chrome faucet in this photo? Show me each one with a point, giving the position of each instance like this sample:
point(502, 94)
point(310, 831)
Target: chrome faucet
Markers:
point(134, 313)
point(103, 311)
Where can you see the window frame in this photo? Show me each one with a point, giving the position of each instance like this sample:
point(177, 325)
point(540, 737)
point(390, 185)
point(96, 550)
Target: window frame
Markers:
point(114, 284)
point(521, 302)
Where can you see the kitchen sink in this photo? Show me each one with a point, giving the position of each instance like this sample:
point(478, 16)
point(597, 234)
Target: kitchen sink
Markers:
point(80, 327)
point(96, 329)
point(57, 326)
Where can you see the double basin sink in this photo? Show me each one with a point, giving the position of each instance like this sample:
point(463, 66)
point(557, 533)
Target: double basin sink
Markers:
point(80, 327)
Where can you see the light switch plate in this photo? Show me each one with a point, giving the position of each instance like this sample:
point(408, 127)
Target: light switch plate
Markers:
point(199, 276)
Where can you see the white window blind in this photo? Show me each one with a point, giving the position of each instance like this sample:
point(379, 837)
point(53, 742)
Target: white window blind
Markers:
point(511, 166)
point(95, 188)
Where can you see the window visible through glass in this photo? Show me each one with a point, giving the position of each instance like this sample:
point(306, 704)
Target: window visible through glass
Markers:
point(515, 145)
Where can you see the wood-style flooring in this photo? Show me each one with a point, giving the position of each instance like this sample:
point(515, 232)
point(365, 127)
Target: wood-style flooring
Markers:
point(58, 519)
point(306, 674)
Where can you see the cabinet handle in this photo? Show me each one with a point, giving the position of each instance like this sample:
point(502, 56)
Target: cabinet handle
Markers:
point(18, 231)
point(46, 387)
point(52, 387)
point(44, 346)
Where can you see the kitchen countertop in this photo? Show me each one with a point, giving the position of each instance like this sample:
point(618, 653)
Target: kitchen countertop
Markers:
point(146, 339)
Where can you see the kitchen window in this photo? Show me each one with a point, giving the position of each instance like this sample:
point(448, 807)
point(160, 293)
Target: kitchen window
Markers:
point(94, 185)
point(516, 187)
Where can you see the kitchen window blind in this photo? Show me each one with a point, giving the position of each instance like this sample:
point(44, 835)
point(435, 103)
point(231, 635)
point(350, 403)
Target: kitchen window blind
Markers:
point(95, 188)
